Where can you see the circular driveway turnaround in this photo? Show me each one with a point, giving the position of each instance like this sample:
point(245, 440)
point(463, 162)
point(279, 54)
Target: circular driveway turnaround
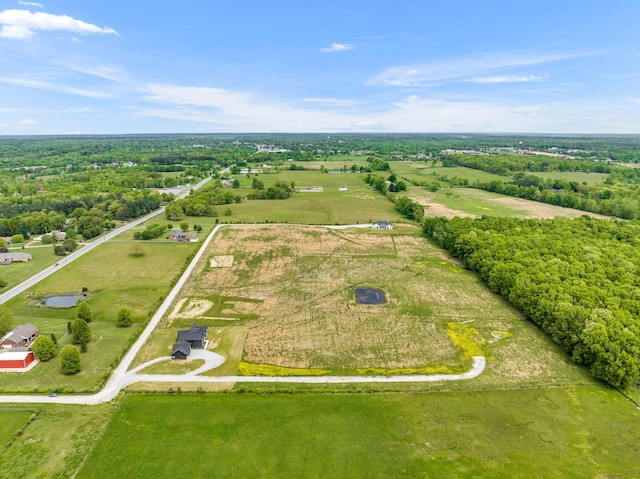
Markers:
point(122, 377)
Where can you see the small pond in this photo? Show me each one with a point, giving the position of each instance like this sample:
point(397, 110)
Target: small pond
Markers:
point(369, 296)
point(64, 301)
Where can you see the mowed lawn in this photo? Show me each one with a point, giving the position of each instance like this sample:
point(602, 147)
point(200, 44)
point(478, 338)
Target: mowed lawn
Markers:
point(11, 421)
point(556, 433)
point(115, 280)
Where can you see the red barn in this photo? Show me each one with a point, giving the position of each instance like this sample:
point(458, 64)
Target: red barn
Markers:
point(16, 359)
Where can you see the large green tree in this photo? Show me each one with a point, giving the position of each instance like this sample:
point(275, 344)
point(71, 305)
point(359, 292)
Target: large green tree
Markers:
point(44, 348)
point(70, 362)
point(80, 332)
point(83, 311)
point(124, 318)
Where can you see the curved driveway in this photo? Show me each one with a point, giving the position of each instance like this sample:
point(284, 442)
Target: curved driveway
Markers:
point(122, 378)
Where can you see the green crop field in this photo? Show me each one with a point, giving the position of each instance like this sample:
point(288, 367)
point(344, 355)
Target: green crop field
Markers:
point(553, 433)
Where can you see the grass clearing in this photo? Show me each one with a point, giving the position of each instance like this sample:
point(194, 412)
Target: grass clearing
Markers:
point(555, 433)
point(56, 442)
point(462, 202)
point(12, 421)
point(425, 171)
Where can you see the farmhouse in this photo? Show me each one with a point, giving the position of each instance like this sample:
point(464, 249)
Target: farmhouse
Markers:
point(181, 350)
point(178, 236)
point(382, 225)
point(16, 359)
point(195, 336)
point(20, 336)
point(8, 258)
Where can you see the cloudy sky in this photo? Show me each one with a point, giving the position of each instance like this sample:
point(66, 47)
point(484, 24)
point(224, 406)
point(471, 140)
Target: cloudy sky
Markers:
point(87, 66)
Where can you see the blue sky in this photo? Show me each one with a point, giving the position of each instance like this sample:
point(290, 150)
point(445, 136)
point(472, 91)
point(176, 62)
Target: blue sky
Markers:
point(99, 67)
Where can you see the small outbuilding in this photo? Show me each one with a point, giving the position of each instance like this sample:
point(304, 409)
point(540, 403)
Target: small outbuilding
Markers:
point(195, 336)
point(16, 359)
point(382, 225)
point(20, 336)
point(181, 350)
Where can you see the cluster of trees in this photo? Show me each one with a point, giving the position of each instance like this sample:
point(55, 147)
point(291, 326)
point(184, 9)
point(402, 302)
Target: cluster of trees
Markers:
point(409, 208)
point(45, 347)
point(150, 232)
point(577, 279)
point(280, 190)
point(67, 246)
point(620, 200)
point(201, 202)
point(509, 164)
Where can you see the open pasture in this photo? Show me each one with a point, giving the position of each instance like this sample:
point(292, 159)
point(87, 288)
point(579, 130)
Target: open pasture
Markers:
point(552, 433)
point(426, 171)
point(462, 202)
point(289, 291)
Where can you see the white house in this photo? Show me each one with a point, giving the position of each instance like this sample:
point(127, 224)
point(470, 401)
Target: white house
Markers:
point(382, 225)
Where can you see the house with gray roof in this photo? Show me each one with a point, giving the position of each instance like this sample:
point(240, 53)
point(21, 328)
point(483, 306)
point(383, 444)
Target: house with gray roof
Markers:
point(20, 336)
point(181, 350)
point(196, 336)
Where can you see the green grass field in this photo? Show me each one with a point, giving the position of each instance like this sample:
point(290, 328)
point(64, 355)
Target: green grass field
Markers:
point(11, 421)
point(115, 280)
point(425, 171)
point(570, 433)
point(53, 445)
point(16, 273)
point(359, 204)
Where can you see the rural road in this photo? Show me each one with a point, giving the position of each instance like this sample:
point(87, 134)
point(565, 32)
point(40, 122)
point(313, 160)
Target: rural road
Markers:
point(122, 377)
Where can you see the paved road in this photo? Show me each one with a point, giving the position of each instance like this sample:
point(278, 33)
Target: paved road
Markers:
point(16, 290)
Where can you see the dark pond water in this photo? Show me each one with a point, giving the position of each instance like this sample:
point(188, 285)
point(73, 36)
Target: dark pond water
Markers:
point(369, 296)
point(66, 301)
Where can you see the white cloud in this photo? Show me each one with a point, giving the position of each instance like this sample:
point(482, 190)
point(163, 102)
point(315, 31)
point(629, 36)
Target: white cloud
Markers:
point(337, 47)
point(51, 86)
point(635, 100)
point(236, 111)
point(28, 122)
point(463, 68)
point(331, 101)
point(107, 72)
point(31, 4)
point(22, 24)
point(506, 79)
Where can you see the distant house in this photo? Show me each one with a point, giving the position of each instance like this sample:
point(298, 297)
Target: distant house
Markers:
point(181, 350)
point(60, 235)
point(196, 336)
point(16, 359)
point(8, 258)
point(178, 236)
point(20, 336)
point(382, 225)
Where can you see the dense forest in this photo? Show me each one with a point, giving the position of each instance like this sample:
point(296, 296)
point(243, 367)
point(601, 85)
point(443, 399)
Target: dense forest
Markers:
point(576, 279)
